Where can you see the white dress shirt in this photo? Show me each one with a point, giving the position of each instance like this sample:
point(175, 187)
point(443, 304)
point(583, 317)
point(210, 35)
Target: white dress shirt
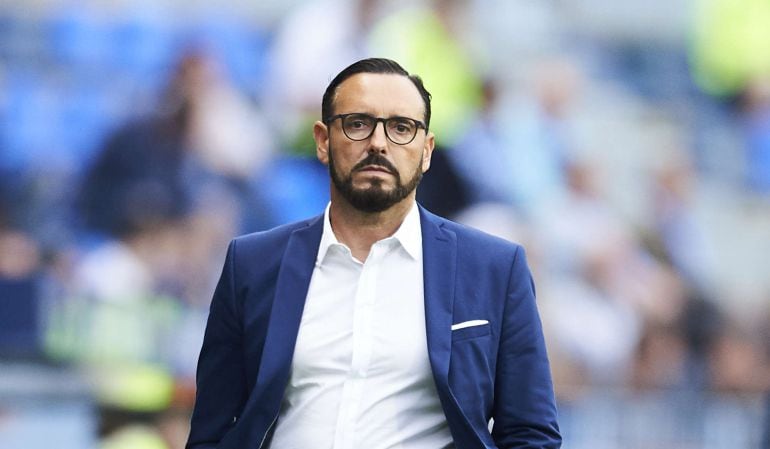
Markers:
point(360, 373)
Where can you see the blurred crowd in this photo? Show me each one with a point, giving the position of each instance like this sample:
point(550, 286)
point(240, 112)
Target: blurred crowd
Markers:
point(629, 153)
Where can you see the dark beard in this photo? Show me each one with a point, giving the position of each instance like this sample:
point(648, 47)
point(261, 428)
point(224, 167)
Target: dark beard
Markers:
point(375, 198)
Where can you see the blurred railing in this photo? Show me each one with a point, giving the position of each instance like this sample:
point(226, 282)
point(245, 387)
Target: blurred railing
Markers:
point(43, 407)
point(621, 419)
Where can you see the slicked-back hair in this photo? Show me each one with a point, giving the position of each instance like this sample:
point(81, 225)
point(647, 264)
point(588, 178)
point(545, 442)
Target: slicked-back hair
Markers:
point(372, 65)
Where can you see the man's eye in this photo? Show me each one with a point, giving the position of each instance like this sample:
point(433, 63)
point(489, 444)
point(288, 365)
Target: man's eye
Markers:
point(358, 124)
point(402, 127)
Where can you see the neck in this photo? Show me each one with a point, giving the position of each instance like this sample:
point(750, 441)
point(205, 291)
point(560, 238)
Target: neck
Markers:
point(360, 230)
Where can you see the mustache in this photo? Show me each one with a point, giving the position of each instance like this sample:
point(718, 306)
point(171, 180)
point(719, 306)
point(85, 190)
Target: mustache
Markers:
point(376, 160)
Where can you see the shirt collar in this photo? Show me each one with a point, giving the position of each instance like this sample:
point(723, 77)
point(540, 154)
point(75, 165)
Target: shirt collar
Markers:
point(327, 237)
point(409, 235)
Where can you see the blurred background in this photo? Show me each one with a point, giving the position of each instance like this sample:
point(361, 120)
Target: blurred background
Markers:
point(625, 144)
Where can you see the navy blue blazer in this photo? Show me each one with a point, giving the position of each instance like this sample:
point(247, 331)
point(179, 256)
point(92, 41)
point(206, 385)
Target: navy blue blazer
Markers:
point(496, 371)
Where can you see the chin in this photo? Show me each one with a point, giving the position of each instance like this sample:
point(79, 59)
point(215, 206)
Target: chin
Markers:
point(375, 185)
point(371, 191)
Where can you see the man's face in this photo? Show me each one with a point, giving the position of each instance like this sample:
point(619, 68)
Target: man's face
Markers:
point(374, 174)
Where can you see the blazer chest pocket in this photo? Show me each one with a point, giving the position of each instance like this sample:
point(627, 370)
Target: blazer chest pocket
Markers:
point(474, 330)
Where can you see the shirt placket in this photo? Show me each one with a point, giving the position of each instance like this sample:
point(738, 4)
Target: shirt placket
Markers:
point(355, 382)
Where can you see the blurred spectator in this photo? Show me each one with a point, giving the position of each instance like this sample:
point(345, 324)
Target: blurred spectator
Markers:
point(525, 130)
point(661, 359)
point(203, 135)
point(313, 42)
point(484, 149)
point(673, 352)
point(429, 40)
point(138, 178)
point(683, 236)
point(225, 130)
point(20, 270)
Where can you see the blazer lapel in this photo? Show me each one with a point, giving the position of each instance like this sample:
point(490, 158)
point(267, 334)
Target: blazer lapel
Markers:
point(290, 293)
point(439, 247)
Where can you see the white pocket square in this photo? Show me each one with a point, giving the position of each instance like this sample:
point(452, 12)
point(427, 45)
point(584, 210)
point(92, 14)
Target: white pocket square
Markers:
point(470, 323)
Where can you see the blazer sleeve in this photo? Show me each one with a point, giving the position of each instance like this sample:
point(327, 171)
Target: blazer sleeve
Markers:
point(524, 407)
point(220, 379)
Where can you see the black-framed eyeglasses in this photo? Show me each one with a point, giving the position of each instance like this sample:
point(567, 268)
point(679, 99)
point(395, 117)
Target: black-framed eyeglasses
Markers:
point(359, 126)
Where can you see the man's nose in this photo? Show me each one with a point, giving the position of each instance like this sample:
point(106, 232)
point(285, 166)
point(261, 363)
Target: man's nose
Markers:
point(378, 141)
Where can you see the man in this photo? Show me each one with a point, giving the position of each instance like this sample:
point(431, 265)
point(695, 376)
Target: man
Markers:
point(377, 324)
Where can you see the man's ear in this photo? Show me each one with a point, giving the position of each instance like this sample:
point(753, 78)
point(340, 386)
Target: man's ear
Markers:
point(321, 136)
point(427, 151)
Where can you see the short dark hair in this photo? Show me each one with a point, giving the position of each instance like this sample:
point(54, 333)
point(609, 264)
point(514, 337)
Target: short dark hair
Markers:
point(372, 65)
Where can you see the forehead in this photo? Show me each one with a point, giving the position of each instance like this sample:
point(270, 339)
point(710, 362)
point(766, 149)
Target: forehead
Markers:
point(381, 94)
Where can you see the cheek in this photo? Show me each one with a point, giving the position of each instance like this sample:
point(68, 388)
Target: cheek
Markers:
point(340, 158)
